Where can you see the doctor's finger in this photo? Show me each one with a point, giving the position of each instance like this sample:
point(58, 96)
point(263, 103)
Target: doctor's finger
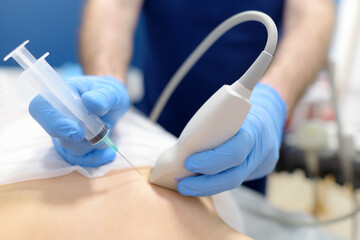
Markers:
point(206, 185)
point(230, 154)
point(101, 94)
point(94, 158)
point(75, 148)
point(53, 122)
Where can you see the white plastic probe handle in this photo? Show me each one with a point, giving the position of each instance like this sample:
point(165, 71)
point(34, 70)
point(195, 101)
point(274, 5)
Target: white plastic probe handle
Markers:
point(218, 120)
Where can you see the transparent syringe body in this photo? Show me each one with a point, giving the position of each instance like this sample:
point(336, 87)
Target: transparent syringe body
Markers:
point(53, 88)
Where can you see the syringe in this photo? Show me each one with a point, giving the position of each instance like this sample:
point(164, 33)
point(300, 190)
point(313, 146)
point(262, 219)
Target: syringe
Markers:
point(61, 96)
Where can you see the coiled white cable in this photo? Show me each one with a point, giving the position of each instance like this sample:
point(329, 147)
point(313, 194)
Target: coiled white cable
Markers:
point(207, 43)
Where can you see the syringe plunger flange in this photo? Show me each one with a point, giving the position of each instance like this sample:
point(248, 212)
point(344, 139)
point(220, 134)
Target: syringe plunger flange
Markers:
point(22, 56)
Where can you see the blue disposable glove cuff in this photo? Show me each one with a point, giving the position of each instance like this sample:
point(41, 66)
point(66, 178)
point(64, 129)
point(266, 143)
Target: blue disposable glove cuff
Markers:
point(275, 104)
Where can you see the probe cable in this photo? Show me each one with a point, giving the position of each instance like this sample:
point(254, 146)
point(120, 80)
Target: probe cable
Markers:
point(246, 16)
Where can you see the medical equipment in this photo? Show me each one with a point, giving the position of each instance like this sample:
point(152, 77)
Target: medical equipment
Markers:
point(61, 96)
point(222, 115)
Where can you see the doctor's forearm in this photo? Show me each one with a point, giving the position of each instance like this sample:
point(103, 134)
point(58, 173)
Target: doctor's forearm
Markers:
point(106, 36)
point(302, 51)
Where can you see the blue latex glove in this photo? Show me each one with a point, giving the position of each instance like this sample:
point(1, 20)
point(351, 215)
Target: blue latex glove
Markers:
point(103, 96)
point(252, 153)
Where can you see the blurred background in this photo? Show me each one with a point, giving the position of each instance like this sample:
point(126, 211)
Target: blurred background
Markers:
point(51, 26)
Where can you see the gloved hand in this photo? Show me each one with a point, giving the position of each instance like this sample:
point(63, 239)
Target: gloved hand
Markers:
point(103, 96)
point(252, 153)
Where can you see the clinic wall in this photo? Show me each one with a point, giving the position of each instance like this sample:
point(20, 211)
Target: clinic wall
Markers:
point(51, 26)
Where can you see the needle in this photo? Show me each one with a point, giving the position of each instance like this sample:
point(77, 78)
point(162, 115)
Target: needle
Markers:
point(129, 162)
point(108, 142)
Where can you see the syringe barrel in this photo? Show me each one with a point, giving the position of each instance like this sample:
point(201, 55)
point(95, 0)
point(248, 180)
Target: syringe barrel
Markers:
point(64, 99)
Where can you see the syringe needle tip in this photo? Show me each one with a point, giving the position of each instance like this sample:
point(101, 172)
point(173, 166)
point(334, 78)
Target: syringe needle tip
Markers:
point(130, 163)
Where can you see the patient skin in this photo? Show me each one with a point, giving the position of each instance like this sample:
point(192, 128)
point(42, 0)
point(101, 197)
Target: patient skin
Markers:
point(120, 205)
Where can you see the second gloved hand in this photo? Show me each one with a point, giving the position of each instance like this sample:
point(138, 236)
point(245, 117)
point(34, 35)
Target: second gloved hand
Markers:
point(105, 97)
point(252, 153)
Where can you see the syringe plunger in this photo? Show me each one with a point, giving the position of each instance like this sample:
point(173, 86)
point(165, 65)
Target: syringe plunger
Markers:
point(22, 56)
